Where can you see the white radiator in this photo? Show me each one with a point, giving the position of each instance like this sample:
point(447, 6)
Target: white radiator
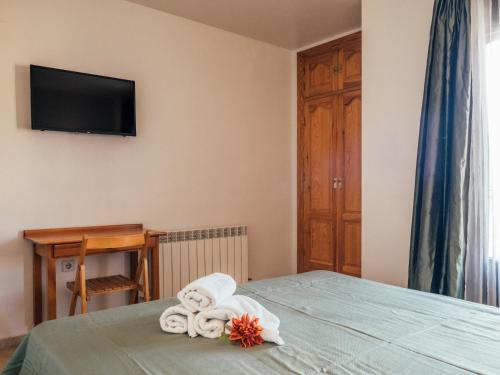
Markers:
point(189, 254)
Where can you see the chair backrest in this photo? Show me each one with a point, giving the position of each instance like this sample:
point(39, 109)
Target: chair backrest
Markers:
point(115, 242)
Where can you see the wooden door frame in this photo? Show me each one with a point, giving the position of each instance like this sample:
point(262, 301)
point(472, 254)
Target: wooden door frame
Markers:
point(301, 55)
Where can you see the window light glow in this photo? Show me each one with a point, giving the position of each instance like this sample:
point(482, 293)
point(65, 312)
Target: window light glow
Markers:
point(493, 103)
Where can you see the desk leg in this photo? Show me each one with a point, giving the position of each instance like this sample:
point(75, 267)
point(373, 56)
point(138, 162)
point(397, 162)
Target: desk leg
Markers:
point(133, 269)
point(155, 270)
point(37, 288)
point(51, 286)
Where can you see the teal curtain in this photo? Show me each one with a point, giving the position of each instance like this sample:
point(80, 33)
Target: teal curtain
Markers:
point(439, 228)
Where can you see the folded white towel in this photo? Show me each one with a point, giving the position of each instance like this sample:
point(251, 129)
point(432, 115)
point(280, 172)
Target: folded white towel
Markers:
point(178, 319)
point(206, 292)
point(211, 323)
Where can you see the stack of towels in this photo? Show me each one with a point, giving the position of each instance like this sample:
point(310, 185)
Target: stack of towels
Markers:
point(208, 305)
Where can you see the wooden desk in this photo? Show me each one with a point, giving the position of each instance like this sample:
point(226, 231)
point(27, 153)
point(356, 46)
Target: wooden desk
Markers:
point(56, 243)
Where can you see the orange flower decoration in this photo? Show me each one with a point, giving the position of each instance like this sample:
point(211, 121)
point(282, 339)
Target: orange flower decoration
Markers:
point(247, 330)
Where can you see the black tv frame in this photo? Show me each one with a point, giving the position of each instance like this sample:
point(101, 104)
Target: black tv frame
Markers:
point(32, 101)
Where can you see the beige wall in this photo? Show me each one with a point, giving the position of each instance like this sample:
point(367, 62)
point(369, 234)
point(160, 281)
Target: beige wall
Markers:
point(216, 136)
point(395, 41)
point(214, 145)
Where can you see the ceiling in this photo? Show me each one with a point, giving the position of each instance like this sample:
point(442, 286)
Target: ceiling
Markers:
point(291, 24)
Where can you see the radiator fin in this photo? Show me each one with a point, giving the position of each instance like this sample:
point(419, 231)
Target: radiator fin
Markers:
point(189, 254)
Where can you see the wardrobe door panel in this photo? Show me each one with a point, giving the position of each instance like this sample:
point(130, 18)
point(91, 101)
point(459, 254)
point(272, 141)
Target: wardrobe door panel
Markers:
point(351, 260)
point(349, 189)
point(319, 76)
point(319, 144)
point(320, 127)
point(321, 244)
point(351, 155)
point(350, 65)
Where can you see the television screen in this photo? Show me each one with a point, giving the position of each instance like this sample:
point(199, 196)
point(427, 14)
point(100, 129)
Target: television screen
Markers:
point(79, 102)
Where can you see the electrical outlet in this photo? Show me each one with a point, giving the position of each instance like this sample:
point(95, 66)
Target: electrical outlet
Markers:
point(68, 265)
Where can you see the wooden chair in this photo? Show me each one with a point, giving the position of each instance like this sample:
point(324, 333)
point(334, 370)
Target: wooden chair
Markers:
point(110, 284)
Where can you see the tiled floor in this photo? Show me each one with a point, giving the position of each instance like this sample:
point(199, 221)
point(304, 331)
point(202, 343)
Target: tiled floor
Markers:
point(4, 356)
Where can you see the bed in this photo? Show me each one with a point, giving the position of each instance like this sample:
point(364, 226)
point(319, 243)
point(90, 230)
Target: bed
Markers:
point(331, 323)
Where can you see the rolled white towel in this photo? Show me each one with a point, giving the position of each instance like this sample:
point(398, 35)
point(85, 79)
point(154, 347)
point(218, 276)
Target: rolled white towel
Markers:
point(211, 323)
point(207, 292)
point(178, 319)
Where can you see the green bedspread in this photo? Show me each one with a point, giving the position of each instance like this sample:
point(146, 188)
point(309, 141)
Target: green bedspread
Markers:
point(331, 324)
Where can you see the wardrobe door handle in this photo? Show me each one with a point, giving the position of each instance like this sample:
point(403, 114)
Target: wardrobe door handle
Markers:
point(335, 183)
point(340, 183)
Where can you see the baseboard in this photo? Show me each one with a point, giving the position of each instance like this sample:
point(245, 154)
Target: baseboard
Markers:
point(10, 342)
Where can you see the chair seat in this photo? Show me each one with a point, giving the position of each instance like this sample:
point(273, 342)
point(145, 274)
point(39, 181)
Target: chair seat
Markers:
point(107, 284)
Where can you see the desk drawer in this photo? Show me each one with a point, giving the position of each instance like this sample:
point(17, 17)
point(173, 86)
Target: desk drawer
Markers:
point(73, 249)
point(66, 250)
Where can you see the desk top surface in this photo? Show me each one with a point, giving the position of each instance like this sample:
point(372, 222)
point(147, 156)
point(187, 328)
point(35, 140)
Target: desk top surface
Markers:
point(55, 236)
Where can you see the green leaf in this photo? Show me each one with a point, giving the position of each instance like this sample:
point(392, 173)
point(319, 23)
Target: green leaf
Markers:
point(224, 338)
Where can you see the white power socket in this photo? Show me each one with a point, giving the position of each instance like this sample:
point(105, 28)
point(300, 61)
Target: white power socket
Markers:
point(68, 265)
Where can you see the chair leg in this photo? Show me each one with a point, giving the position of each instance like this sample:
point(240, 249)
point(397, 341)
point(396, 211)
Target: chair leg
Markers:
point(83, 290)
point(74, 295)
point(72, 306)
point(138, 275)
point(83, 301)
point(145, 283)
point(131, 299)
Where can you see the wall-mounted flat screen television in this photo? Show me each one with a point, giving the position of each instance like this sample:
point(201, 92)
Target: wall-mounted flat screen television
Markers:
point(79, 102)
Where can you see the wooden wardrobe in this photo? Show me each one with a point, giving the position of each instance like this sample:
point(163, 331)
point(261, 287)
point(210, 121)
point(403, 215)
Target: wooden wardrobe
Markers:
point(329, 156)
